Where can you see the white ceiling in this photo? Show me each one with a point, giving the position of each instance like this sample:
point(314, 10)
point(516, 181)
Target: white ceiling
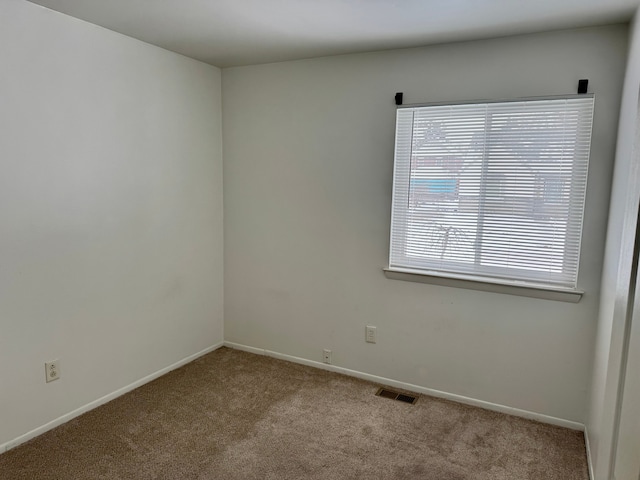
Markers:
point(242, 32)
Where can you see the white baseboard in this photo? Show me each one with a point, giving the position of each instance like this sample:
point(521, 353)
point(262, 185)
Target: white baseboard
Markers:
point(101, 401)
point(312, 363)
point(414, 388)
point(588, 447)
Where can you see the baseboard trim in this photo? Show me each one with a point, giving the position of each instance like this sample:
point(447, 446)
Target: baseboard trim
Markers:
point(589, 459)
point(101, 401)
point(414, 388)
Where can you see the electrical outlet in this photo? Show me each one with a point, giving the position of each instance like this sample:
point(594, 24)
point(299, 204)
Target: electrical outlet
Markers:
point(370, 335)
point(52, 370)
point(326, 356)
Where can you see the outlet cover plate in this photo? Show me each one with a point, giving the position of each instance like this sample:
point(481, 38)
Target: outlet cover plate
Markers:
point(52, 370)
point(326, 356)
point(370, 334)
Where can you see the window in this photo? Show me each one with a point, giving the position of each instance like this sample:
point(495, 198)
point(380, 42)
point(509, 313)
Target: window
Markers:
point(493, 191)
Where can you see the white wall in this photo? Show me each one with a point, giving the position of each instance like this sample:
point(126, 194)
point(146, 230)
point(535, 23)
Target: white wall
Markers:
point(110, 212)
point(308, 170)
point(617, 271)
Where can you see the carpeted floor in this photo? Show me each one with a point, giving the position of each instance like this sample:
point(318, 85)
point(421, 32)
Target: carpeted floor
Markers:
point(234, 415)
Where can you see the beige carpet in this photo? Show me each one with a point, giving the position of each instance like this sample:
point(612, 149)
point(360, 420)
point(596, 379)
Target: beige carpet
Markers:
point(234, 415)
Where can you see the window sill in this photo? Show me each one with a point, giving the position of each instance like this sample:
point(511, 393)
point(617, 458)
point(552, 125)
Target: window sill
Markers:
point(547, 293)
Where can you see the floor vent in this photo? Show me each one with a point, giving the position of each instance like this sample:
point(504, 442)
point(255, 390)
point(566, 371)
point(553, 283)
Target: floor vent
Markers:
point(402, 397)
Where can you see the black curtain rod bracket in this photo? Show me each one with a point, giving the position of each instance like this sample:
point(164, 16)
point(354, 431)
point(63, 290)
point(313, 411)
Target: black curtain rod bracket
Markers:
point(582, 86)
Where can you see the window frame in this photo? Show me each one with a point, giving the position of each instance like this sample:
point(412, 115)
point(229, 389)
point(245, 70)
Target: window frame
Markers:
point(500, 280)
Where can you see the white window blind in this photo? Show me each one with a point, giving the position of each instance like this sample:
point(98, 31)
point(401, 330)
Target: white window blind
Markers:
point(492, 191)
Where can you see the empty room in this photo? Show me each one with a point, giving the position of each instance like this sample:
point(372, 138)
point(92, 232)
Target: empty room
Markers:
point(339, 239)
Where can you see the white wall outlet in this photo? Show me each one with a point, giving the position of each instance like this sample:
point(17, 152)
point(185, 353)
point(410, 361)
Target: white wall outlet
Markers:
point(326, 356)
point(52, 370)
point(370, 335)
